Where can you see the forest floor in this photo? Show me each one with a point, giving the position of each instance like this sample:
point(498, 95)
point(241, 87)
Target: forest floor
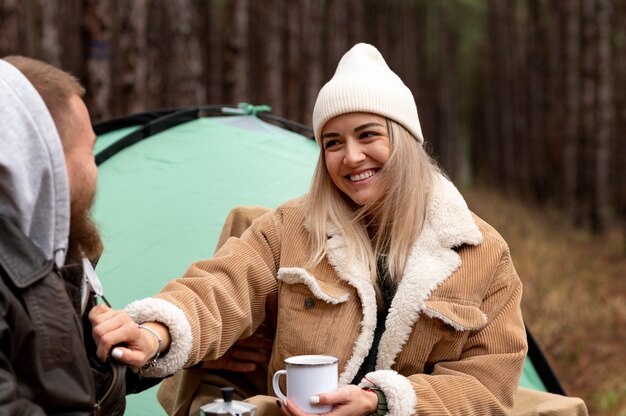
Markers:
point(574, 295)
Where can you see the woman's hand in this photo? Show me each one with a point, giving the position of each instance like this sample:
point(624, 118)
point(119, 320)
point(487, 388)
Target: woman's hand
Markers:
point(131, 345)
point(347, 401)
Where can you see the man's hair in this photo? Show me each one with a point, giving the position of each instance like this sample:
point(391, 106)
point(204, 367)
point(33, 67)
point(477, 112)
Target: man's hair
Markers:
point(55, 87)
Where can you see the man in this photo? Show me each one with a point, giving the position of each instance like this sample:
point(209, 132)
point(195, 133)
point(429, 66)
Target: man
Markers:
point(47, 186)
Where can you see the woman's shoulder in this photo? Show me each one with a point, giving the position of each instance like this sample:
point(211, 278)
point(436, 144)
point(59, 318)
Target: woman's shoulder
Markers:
point(291, 210)
point(490, 260)
point(249, 213)
point(295, 204)
point(488, 231)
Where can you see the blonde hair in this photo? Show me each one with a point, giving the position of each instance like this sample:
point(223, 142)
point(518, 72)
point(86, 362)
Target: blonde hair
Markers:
point(390, 223)
point(55, 87)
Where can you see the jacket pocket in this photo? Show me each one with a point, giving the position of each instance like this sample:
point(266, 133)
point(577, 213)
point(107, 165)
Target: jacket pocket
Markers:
point(327, 292)
point(54, 320)
point(441, 335)
point(457, 314)
point(310, 312)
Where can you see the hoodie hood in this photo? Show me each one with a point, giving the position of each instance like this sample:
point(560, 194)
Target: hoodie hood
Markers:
point(34, 191)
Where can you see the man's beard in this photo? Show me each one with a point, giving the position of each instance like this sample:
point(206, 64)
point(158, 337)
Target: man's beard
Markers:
point(84, 239)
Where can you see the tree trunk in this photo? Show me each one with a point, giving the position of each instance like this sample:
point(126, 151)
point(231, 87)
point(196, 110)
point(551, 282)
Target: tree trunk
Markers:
point(395, 35)
point(270, 36)
point(236, 56)
point(61, 43)
point(602, 186)
point(50, 38)
point(410, 47)
point(158, 40)
point(449, 130)
point(293, 76)
point(589, 81)
point(536, 101)
point(11, 37)
point(381, 26)
point(130, 66)
point(520, 168)
point(486, 159)
point(504, 78)
point(98, 23)
point(619, 150)
point(571, 100)
point(313, 71)
point(338, 22)
point(214, 76)
point(554, 98)
point(356, 27)
point(425, 92)
point(520, 86)
point(185, 57)
point(72, 54)
point(596, 129)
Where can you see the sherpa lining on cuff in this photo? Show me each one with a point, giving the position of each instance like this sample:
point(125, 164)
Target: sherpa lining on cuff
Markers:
point(401, 398)
point(159, 310)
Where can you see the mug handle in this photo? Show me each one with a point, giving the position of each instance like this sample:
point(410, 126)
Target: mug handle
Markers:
point(277, 391)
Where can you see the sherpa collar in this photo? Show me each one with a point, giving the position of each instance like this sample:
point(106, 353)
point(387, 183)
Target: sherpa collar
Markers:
point(448, 224)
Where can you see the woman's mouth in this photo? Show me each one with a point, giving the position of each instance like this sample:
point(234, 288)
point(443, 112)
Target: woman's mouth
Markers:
point(362, 176)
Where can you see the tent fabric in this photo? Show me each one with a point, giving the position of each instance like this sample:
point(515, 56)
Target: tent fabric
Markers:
point(167, 181)
point(162, 201)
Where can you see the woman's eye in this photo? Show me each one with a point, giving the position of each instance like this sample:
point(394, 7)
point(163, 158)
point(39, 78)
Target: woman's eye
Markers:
point(368, 134)
point(330, 143)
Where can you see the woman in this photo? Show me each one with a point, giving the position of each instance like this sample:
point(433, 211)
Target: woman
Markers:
point(381, 264)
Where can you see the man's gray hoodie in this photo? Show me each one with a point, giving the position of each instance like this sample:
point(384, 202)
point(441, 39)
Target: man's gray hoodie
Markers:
point(44, 366)
point(33, 178)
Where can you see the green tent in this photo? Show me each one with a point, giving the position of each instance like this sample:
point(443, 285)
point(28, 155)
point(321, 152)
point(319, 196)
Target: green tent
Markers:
point(167, 181)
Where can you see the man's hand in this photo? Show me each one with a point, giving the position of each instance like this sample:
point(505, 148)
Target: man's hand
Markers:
point(348, 400)
point(244, 355)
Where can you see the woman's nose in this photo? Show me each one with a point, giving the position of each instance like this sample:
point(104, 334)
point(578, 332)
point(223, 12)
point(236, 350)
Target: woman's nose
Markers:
point(354, 153)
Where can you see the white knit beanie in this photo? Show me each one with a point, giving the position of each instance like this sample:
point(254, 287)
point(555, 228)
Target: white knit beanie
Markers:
point(364, 83)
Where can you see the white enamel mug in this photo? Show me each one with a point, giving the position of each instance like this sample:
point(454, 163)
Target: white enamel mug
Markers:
point(308, 375)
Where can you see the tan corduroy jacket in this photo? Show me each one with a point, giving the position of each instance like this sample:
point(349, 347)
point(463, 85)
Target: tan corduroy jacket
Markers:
point(454, 340)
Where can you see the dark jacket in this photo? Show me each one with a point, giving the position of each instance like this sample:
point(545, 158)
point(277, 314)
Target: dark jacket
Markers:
point(46, 348)
point(47, 354)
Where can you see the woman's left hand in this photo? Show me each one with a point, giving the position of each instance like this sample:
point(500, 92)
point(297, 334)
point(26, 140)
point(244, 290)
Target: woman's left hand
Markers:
point(348, 400)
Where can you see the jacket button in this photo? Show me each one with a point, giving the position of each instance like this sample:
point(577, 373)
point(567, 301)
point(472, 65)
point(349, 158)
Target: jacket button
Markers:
point(309, 303)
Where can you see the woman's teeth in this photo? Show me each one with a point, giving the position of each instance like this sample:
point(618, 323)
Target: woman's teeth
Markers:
point(362, 176)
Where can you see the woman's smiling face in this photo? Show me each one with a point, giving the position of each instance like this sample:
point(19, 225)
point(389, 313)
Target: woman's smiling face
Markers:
point(356, 146)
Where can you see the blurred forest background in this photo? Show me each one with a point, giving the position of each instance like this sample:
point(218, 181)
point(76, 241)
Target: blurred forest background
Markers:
point(522, 102)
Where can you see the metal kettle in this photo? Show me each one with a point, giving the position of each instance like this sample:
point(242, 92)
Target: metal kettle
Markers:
point(226, 406)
